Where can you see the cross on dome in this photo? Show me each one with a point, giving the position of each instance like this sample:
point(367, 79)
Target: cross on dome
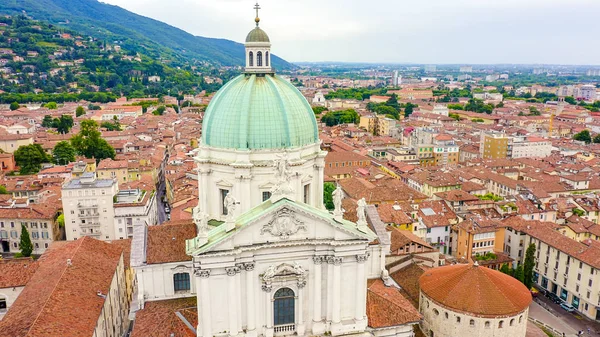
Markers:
point(257, 20)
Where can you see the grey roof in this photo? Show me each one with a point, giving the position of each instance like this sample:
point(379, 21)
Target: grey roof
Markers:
point(257, 35)
point(98, 183)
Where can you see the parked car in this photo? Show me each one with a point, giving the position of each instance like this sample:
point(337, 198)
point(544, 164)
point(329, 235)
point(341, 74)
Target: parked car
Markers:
point(567, 307)
point(534, 292)
point(167, 209)
point(554, 298)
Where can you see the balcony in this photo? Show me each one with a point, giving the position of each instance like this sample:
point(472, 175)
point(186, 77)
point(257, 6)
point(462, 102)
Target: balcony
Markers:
point(82, 206)
point(89, 224)
point(286, 329)
point(92, 215)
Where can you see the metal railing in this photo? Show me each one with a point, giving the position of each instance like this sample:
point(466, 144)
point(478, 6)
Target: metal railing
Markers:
point(284, 329)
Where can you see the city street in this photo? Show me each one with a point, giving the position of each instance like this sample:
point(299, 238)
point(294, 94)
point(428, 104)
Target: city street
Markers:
point(551, 314)
point(160, 205)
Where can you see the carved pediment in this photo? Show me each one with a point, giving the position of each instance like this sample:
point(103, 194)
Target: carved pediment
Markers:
point(224, 183)
point(284, 270)
point(283, 224)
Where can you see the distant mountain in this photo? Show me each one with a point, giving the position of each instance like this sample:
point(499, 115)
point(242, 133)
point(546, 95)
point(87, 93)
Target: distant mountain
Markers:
point(135, 32)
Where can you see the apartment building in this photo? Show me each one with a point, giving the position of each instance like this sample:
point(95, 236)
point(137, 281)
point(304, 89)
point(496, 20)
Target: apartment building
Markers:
point(565, 267)
point(134, 206)
point(529, 147)
point(39, 220)
point(88, 207)
point(493, 145)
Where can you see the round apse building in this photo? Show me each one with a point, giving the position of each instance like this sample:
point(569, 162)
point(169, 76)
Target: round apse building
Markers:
point(468, 300)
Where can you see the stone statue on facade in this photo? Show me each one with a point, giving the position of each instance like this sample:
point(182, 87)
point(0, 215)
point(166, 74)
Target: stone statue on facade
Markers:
point(201, 221)
point(283, 174)
point(338, 197)
point(361, 211)
point(230, 204)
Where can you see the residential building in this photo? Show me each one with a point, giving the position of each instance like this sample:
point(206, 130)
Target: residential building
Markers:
point(529, 147)
point(88, 207)
point(113, 169)
point(39, 220)
point(15, 275)
point(78, 289)
point(131, 207)
point(493, 145)
point(478, 236)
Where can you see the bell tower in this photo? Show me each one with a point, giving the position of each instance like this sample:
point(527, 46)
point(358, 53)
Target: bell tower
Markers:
point(258, 50)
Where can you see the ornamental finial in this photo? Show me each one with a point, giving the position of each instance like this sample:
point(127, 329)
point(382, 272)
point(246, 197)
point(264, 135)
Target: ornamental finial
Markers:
point(257, 20)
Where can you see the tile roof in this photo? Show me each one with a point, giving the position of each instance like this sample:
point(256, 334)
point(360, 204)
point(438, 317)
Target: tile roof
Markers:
point(166, 243)
point(475, 290)
point(401, 238)
point(16, 272)
point(408, 279)
point(386, 307)
point(382, 190)
point(61, 300)
point(159, 318)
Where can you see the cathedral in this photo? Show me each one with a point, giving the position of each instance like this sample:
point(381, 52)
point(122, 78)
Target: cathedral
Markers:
point(263, 257)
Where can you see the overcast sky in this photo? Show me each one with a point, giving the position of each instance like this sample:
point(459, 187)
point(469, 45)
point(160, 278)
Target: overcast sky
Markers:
point(398, 31)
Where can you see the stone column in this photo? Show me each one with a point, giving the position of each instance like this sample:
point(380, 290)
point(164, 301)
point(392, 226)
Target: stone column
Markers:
point(250, 300)
point(329, 305)
point(232, 301)
point(269, 310)
point(360, 313)
point(203, 288)
point(202, 183)
point(317, 327)
point(318, 181)
point(238, 295)
point(335, 307)
point(300, 320)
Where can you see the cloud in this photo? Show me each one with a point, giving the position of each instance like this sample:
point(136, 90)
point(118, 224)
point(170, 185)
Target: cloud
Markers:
point(423, 31)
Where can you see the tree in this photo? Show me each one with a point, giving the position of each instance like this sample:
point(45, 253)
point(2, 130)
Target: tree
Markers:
point(63, 153)
point(571, 100)
point(3, 190)
point(51, 105)
point(88, 142)
point(25, 243)
point(505, 269)
point(30, 158)
point(528, 266)
point(408, 110)
point(328, 189)
point(80, 111)
point(519, 273)
point(387, 110)
point(112, 126)
point(47, 122)
point(14, 106)
point(583, 136)
point(60, 220)
point(63, 124)
point(159, 111)
point(319, 109)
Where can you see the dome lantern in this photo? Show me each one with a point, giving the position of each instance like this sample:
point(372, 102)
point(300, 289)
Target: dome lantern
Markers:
point(258, 49)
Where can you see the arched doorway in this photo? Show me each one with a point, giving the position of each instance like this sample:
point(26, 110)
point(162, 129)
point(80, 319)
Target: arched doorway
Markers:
point(284, 309)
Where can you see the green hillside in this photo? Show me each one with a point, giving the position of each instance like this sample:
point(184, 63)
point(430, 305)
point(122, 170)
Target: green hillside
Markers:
point(41, 62)
point(134, 32)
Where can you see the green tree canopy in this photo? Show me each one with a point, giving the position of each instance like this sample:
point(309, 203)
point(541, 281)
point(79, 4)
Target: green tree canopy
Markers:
point(319, 109)
point(51, 105)
point(340, 117)
point(519, 273)
point(63, 153)
point(328, 189)
point(528, 266)
point(583, 136)
point(3, 189)
point(597, 138)
point(80, 111)
point(88, 142)
point(60, 220)
point(571, 100)
point(14, 106)
point(63, 124)
point(25, 242)
point(47, 122)
point(30, 158)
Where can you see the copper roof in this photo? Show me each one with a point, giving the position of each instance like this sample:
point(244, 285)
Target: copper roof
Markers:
point(476, 290)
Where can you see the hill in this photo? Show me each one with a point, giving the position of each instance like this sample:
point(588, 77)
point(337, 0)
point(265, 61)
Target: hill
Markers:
point(40, 62)
point(134, 32)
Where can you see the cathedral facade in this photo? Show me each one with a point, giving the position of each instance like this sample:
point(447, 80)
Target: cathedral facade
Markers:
point(266, 258)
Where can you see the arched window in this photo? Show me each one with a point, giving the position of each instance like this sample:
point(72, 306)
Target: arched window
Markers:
point(267, 58)
point(259, 59)
point(512, 322)
point(487, 324)
point(250, 59)
point(436, 312)
point(284, 307)
point(181, 282)
point(520, 319)
point(446, 315)
point(472, 322)
point(500, 324)
point(457, 319)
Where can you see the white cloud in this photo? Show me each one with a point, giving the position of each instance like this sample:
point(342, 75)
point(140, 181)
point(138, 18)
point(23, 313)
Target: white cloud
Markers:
point(420, 31)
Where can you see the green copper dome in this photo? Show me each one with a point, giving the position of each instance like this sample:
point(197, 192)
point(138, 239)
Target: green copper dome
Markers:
point(257, 35)
point(259, 112)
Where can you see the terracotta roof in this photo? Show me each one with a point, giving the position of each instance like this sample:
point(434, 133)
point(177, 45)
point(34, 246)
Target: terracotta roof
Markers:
point(61, 300)
point(386, 307)
point(158, 318)
point(166, 243)
point(408, 279)
point(401, 238)
point(475, 290)
point(16, 272)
